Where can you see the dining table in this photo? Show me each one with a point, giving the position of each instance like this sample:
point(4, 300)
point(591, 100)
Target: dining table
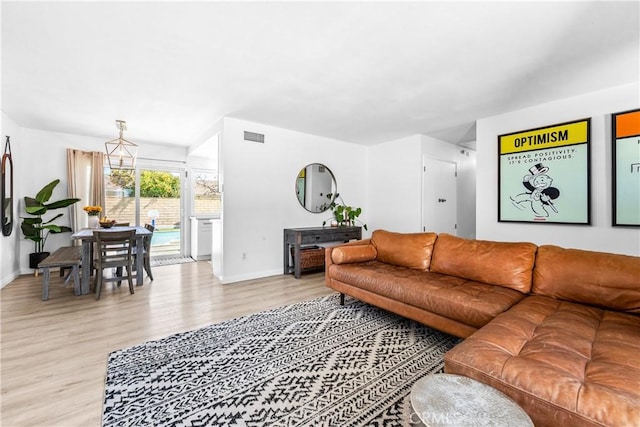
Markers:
point(86, 236)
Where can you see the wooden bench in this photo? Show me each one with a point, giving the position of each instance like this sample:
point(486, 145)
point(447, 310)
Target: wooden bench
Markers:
point(66, 256)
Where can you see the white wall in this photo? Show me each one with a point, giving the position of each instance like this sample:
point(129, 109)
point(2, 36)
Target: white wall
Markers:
point(40, 157)
point(205, 153)
point(465, 183)
point(395, 185)
point(259, 198)
point(9, 261)
point(600, 236)
point(467, 193)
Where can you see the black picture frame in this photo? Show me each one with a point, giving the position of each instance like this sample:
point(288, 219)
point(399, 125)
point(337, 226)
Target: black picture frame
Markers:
point(544, 174)
point(625, 168)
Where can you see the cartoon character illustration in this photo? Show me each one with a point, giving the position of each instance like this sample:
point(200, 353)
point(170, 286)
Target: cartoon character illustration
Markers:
point(540, 194)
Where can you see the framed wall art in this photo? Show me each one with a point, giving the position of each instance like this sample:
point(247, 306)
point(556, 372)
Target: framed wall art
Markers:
point(625, 128)
point(543, 174)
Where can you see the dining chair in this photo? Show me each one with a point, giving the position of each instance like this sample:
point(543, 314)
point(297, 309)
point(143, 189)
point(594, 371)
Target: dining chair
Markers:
point(114, 250)
point(147, 250)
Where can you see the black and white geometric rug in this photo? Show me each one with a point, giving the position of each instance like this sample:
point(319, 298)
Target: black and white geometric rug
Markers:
point(315, 363)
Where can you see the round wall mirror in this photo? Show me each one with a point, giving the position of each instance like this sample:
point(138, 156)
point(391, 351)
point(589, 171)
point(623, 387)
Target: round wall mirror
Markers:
point(316, 187)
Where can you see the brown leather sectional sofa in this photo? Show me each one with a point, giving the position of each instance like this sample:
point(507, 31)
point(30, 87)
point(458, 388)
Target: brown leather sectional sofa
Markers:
point(557, 330)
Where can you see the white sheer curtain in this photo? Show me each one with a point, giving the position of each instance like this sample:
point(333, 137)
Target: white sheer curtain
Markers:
point(85, 180)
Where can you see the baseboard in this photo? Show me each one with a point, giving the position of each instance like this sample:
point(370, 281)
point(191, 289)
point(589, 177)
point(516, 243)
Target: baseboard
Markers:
point(250, 276)
point(8, 279)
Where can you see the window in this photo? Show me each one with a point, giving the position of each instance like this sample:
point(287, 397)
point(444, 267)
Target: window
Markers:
point(206, 193)
point(120, 202)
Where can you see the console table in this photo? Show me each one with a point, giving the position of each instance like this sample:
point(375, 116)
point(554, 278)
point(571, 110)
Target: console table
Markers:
point(297, 237)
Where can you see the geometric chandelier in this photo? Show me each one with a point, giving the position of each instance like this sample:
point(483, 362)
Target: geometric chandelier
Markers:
point(120, 152)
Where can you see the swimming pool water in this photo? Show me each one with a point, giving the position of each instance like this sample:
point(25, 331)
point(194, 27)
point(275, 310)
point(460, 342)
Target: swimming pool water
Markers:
point(165, 237)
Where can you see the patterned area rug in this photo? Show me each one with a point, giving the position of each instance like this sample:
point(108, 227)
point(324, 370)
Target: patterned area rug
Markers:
point(156, 262)
point(314, 363)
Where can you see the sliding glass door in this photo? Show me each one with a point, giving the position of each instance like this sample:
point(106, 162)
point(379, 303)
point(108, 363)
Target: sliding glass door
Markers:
point(149, 195)
point(160, 204)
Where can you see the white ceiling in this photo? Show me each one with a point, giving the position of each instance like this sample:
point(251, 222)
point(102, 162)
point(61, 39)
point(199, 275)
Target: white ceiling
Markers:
point(364, 72)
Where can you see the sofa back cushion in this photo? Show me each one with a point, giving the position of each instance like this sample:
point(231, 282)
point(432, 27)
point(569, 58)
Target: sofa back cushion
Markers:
point(412, 250)
point(595, 278)
point(496, 263)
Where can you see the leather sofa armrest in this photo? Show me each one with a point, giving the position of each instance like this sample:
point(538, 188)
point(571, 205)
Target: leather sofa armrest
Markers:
point(353, 253)
point(328, 256)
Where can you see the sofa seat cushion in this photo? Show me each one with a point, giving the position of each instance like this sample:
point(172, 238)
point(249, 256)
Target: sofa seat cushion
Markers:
point(565, 363)
point(469, 302)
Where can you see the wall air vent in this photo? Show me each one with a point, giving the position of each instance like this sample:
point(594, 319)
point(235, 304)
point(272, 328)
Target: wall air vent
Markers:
point(254, 137)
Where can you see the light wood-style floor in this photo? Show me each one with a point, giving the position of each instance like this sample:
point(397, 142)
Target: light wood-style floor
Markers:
point(54, 353)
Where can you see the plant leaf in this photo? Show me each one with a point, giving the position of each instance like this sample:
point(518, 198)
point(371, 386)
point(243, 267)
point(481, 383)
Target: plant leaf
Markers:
point(56, 229)
point(32, 221)
point(53, 219)
point(61, 203)
point(34, 207)
point(30, 232)
point(45, 194)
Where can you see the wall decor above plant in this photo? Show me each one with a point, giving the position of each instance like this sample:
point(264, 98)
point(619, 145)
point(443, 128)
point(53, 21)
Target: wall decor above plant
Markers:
point(313, 183)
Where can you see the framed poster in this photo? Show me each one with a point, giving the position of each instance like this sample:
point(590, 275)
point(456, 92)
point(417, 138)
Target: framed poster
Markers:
point(626, 168)
point(543, 174)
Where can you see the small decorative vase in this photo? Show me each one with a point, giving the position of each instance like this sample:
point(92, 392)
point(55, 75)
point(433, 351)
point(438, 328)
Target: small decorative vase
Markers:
point(94, 221)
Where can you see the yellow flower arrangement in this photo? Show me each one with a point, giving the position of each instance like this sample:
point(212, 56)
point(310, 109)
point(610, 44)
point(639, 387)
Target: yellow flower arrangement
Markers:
point(93, 210)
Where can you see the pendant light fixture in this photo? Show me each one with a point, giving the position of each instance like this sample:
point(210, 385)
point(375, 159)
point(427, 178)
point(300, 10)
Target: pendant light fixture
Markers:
point(120, 152)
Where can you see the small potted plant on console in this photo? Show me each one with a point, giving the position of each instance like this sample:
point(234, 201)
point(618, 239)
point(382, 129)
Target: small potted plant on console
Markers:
point(344, 215)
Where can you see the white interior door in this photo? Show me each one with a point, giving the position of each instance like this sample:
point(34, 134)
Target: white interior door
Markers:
point(439, 201)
